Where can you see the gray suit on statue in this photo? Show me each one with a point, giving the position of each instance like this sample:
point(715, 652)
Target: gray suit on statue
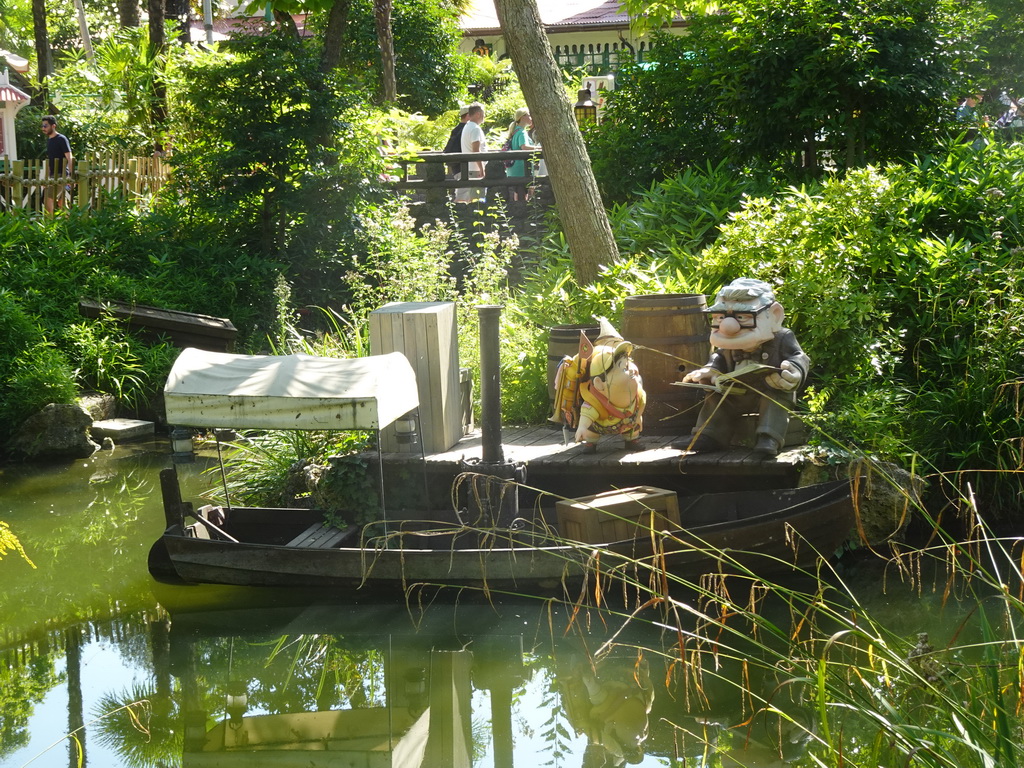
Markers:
point(719, 414)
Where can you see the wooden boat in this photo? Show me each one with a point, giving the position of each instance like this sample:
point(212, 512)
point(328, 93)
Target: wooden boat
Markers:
point(765, 531)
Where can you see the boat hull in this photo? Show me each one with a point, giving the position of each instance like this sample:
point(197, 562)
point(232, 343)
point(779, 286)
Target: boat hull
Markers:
point(764, 533)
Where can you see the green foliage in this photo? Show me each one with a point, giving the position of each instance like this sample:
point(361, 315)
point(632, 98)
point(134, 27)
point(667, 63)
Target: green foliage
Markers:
point(157, 259)
point(1001, 40)
point(33, 373)
point(784, 86)
point(430, 72)
point(660, 119)
point(279, 155)
point(284, 468)
point(109, 361)
point(394, 263)
point(680, 215)
point(108, 103)
point(10, 543)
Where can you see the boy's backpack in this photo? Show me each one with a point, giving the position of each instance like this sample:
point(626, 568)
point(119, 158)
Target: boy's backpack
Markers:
point(572, 371)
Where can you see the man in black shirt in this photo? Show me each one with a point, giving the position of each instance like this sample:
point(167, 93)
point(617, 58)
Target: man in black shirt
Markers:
point(455, 138)
point(58, 159)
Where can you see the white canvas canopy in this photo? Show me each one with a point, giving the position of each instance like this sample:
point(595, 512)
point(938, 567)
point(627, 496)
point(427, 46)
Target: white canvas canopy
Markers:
point(214, 389)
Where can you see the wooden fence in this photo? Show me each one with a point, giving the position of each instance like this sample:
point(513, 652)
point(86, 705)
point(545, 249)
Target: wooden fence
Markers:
point(24, 184)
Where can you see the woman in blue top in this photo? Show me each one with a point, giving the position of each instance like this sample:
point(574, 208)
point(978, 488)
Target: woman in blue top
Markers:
point(518, 138)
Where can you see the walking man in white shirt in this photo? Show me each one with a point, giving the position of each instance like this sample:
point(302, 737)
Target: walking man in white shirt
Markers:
point(473, 140)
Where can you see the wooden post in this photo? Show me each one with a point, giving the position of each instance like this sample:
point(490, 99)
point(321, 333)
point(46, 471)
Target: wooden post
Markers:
point(434, 172)
point(133, 179)
point(17, 184)
point(84, 192)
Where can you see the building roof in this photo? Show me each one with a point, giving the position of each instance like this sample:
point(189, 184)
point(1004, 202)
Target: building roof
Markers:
point(482, 19)
point(9, 92)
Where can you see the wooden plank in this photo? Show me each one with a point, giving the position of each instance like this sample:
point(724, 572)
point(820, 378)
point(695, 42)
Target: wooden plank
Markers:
point(185, 329)
point(450, 374)
point(321, 536)
point(418, 332)
point(161, 319)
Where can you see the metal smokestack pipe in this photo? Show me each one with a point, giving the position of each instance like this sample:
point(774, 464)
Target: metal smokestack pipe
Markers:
point(490, 384)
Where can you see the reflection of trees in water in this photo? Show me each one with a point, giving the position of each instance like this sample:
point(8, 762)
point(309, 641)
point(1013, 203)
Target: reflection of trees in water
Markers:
point(90, 564)
point(141, 723)
point(26, 675)
point(139, 727)
point(296, 672)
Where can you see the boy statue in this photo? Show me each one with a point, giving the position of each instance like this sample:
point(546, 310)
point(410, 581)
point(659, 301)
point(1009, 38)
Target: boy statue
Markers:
point(600, 392)
point(613, 397)
point(756, 366)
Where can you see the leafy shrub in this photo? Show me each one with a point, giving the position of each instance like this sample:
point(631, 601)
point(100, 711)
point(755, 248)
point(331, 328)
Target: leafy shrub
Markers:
point(278, 156)
point(659, 121)
point(681, 214)
point(33, 373)
point(108, 360)
point(156, 259)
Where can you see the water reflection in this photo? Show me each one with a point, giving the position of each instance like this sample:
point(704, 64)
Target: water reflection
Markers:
point(336, 685)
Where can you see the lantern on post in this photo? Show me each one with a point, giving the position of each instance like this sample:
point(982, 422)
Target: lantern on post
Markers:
point(585, 109)
point(11, 101)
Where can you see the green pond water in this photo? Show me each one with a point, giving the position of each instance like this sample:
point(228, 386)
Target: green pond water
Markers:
point(253, 677)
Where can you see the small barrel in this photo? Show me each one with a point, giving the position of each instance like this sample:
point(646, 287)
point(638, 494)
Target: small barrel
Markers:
point(565, 340)
point(669, 333)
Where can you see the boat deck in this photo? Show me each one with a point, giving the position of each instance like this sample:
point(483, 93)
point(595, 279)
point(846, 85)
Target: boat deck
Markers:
point(548, 459)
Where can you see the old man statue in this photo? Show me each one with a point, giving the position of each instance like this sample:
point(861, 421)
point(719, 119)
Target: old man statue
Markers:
point(756, 367)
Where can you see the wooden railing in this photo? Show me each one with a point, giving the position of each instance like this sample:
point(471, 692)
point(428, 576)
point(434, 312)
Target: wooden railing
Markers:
point(429, 171)
point(24, 184)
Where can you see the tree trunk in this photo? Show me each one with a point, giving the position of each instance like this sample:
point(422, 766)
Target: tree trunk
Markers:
point(76, 710)
point(157, 31)
point(128, 13)
point(577, 199)
point(334, 35)
point(287, 24)
point(44, 59)
point(382, 19)
point(157, 43)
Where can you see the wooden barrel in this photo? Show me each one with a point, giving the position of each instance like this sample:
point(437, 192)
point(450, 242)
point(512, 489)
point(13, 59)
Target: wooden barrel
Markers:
point(669, 333)
point(565, 340)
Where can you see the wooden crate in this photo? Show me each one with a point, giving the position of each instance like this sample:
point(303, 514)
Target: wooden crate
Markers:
point(427, 334)
point(618, 515)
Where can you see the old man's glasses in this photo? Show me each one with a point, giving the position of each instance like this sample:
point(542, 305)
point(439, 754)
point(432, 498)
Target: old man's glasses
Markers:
point(745, 319)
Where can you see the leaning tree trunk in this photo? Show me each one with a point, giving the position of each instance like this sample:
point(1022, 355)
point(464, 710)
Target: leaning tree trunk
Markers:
point(382, 19)
point(44, 59)
point(287, 24)
point(580, 209)
point(334, 35)
point(128, 13)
